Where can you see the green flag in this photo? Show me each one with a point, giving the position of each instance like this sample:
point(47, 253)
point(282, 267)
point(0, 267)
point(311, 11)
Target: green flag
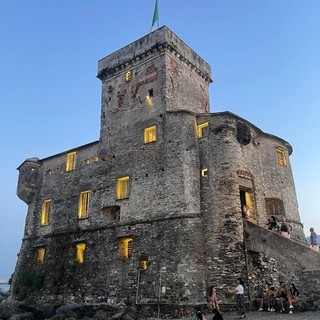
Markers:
point(155, 16)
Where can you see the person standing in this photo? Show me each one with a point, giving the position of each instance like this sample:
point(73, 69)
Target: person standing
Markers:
point(313, 240)
point(239, 292)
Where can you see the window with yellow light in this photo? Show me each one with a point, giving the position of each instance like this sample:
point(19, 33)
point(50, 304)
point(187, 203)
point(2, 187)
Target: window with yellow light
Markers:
point(200, 129)
point(149, 98)
point(122, 188)
point(150, 134)
point(128, 76)
point(204, 172)
point(143, 265)
point(71, 161)
point(45, 212)
point(40, 254)
point(83, 206)
point(125, 248)
point(80, 247)
point(281, 155)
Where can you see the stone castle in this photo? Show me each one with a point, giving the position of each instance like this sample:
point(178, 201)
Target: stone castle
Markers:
point(151, 212)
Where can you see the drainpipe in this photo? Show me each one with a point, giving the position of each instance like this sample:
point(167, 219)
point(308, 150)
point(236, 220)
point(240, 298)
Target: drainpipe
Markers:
point(138, 285)
point(246, 262)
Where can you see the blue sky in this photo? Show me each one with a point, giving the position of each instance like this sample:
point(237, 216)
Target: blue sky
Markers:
point(266, 68)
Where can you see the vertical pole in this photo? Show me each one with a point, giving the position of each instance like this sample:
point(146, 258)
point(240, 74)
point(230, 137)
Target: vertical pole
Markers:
point(159, 297)
point(138, 285)
point(246, 261)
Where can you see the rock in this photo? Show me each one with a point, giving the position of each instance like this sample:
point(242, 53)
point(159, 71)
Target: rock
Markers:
point(22, 316)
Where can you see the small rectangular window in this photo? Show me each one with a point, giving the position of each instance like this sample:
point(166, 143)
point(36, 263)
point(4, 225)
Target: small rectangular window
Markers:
point(45, 212)
point(150, 134)
point(83, 207)
point(71, 161)
point(81, 247)
point(143, 265)
point(40, 254)
point(123, 188)
point(281, 155)
point(204, 172)
point(128, 76)
point(125, 248)
point(201, 129)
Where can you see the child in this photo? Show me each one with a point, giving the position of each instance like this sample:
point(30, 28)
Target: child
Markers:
point(213, 303)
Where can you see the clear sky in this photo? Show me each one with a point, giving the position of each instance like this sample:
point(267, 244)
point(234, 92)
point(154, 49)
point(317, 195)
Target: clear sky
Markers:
point(265, 57)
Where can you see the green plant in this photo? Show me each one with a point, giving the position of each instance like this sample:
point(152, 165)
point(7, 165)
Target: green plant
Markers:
point(29, 281)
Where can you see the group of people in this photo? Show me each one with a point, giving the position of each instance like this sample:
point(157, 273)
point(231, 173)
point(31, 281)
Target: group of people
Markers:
point(238, 291)
point(279, 226)
point(277, 297)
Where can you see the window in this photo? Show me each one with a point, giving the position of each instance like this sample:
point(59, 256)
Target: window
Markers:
point(150, 134)
point(247, 200)
point(143, 265)
point(71, 161)
point(149, 98)
point(204, 172)
point(45, 212)
point(128, 76)
point(201, 129)
point(281, 155)
point(125, 248)
point(122, 188)
point(80, 247)
point(111, 213)
point(83, 207)
point(40, 254)
point(274, 207)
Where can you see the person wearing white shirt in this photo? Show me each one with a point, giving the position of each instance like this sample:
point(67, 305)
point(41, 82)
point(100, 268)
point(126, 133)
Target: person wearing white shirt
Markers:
point(238, 291)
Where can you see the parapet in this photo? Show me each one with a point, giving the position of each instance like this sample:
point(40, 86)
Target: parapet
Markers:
point(154, 41)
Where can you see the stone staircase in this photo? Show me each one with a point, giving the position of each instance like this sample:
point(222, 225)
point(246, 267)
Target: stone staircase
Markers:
point(293, 258)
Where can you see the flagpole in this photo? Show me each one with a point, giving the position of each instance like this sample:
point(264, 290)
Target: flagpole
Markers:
point(158, 14)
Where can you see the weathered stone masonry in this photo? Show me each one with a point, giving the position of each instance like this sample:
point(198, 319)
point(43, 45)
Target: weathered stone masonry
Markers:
point(182, 208)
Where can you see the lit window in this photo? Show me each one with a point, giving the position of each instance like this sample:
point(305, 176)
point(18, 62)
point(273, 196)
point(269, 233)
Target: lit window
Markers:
point(200, 129)
point(71, 161)
point(83, 207)
point(122, 188)
point(40, 254)
point(128, 76)
point(81, 247)
point(204, 172)
point(150, 134)
point(45, 212)
point(143, 265)
point(149, 98)
point(125, 248)
point(281, 155)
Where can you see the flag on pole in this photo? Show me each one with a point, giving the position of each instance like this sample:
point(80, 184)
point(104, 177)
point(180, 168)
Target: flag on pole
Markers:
point(155, 16)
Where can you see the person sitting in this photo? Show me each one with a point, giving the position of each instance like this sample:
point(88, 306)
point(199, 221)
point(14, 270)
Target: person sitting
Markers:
point(285, 229)
point(273, 298)
point(293, 296)
point(274, 225)
point(199, 316)
point(283, 295)
point(246, 214)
